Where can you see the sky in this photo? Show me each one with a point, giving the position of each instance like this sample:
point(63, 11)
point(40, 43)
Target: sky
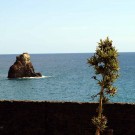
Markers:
point(65, 26)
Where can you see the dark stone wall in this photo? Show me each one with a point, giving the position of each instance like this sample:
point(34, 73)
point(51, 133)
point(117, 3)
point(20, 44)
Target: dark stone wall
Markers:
point(62, 118)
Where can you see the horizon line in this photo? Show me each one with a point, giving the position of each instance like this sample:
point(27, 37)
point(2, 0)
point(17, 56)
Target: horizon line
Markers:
point(57, 53)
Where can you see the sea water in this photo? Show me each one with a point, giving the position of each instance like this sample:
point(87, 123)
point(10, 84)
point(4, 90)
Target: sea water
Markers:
point(66, 77)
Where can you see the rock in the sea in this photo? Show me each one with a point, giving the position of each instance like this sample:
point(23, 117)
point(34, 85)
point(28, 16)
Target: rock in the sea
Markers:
point(22, 67)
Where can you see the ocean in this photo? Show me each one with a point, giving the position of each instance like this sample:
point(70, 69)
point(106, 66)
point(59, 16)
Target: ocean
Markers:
point(66, 77)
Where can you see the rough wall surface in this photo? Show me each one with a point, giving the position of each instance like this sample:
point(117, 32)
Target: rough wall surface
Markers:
point(59, 118)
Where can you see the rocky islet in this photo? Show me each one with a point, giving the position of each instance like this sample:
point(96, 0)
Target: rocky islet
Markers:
point(22, 67)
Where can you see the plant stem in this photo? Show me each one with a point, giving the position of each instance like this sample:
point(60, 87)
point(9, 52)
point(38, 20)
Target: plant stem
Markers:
point(100, 108)
point(97, 131)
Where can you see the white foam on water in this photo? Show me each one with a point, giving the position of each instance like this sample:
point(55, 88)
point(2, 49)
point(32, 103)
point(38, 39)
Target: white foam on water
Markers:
point(35, 77)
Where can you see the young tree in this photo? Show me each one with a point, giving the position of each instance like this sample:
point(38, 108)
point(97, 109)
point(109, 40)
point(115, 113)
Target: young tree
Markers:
point(106, 66)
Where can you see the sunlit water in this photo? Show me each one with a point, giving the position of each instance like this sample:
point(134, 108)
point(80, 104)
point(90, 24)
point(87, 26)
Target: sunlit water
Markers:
point(66, 77)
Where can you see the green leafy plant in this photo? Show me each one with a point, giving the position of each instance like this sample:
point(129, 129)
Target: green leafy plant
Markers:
point(106, 66)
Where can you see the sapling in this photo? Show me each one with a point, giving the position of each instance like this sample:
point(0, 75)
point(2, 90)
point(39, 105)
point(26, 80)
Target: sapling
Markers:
point(106, 66)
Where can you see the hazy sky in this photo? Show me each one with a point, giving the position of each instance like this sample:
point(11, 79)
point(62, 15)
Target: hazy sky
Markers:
point(65, 26)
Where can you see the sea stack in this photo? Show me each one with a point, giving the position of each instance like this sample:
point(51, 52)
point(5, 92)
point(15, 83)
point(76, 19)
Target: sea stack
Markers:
point(22, 68)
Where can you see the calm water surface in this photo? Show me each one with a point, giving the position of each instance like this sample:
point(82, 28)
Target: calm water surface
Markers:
point(67, 78)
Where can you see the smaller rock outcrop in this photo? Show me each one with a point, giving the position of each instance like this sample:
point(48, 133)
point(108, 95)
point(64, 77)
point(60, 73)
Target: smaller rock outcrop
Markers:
point(22, 67)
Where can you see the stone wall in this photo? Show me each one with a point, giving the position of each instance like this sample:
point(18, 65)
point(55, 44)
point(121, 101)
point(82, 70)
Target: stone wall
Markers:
point(62, 118)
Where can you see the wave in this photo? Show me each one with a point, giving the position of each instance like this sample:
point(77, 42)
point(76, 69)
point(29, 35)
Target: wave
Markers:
point(35, 77)
point(32, 77)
